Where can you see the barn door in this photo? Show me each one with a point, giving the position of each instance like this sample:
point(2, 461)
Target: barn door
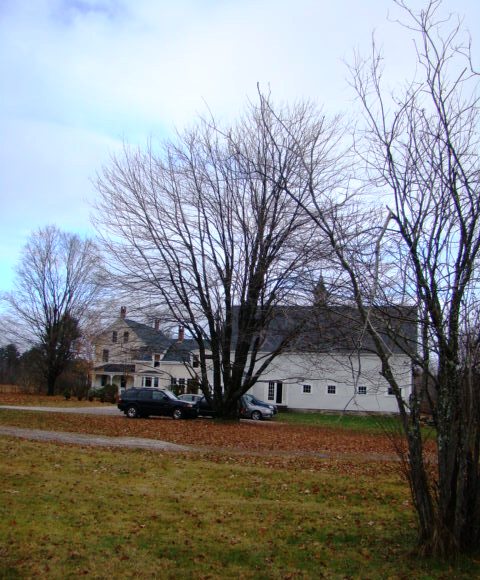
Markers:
point(275, 392)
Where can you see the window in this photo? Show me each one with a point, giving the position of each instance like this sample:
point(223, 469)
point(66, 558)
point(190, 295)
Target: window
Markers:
point(390, 391)
point(362, 390)
point(173, 382)
point(145, 395)
point(125, 336)
point(181, 382)
point(156, 360)
point(192, 385)
point(114, 336)
point(331, 389)
point(157, 396)
point(307, 389)
point(105, 355)
point(196, 361)
point(271, 391)
point(150, 382)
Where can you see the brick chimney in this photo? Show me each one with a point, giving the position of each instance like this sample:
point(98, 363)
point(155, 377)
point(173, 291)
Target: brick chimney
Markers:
point(157, 324)
point(123, 312)
point(181, 334)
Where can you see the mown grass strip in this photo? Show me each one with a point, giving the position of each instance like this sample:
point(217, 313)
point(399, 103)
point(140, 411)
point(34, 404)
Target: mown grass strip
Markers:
point(374, 423)
point(72, 511)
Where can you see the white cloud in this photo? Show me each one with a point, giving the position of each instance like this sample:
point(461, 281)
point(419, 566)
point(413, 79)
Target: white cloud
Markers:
point(80, 75)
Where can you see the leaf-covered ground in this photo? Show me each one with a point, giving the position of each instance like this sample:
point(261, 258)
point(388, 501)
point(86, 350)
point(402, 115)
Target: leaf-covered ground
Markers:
point(258, 500)
point(271, 436)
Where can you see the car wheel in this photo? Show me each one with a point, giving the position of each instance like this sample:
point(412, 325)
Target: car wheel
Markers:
point(177, 413)
point(132, 412)
point(256, 415)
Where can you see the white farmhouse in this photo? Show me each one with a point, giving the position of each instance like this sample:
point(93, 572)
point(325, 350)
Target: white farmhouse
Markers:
point(330, 363)
point(131, 354)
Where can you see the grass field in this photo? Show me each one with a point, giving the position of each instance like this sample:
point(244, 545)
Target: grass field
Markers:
point(70, 511)
point(257, 501)
point(342, 421)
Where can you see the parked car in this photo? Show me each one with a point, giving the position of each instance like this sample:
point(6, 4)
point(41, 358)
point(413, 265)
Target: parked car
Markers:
point(150, 401)
point(204, 408)
point(254, 401)
point(247, 409)
point(190, 397)
point(252, 408)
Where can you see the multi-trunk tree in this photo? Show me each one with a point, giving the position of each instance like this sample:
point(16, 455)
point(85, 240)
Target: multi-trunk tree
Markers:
point(423, 147)
point(420, 152)
point(204, 225)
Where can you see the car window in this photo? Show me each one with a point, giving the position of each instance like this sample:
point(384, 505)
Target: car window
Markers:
point(158, 396)
point(145, 395)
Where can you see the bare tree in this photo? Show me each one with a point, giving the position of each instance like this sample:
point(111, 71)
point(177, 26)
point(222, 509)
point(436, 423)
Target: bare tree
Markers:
point(56, 282)
point(420, 148)
point(205, 225)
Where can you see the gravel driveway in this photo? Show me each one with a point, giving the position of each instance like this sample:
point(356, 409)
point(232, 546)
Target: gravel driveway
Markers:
point(93, 440)
point(83, 439)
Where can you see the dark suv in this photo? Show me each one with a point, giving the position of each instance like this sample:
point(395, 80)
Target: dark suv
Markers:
point(147, 401)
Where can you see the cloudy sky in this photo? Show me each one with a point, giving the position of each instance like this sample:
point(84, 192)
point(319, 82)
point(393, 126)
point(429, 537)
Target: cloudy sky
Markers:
point(78, 77)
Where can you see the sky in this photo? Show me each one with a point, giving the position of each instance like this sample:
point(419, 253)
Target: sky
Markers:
point(80, 77)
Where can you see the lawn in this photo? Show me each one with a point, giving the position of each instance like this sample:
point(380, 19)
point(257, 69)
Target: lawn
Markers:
point(71, 511)
point(372, 422)
point(300, 498)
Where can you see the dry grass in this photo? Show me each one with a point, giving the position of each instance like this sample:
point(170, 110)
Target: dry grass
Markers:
point(70, 511)
point(257, 502)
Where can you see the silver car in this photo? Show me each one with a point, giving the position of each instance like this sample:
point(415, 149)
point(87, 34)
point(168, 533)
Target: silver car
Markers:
point(190, 397)
point(250, 409)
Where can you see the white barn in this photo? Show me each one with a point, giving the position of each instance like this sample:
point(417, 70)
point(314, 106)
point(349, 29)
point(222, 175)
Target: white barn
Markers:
point(331, 363)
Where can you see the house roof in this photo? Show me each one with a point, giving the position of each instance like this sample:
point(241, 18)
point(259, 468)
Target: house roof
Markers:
point(155, 339)
point(180, 351)
point(115, 368)
point(323, 328)
point(151, 341)
point(314, 328)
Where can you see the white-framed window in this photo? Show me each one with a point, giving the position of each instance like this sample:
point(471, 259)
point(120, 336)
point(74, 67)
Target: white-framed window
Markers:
point(362, 390)
point(271, 391)
point(331, 389)
point(125, 336)
point(156, 360)
point(173, 381)
point(150, 382)
point(105, 354)
point(390, 391)
point(114, 336)
point(307, 389)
